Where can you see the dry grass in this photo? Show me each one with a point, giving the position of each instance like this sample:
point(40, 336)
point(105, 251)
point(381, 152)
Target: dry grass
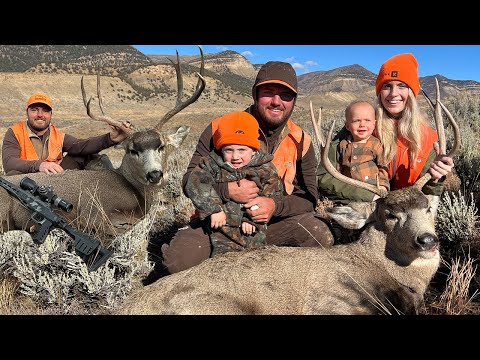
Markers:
point(456, 299)
point(8, 288)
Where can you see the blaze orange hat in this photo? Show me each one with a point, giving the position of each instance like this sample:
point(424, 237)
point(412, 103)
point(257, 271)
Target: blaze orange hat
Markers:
point(239, 128)
point(402, 67)
point(40, 98)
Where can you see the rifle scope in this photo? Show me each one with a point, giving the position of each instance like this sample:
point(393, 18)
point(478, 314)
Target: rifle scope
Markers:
point(45, 193)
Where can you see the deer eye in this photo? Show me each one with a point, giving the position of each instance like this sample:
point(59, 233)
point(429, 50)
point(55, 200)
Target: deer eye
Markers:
point(391, 216)
point(133, 152)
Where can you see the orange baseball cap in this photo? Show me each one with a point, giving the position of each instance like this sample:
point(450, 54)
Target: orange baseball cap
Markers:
point(402, 67)
point(41, 99)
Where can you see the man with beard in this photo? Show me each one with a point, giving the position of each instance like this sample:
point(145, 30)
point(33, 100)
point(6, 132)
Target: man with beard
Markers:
point(36, 145)
point(291, 218)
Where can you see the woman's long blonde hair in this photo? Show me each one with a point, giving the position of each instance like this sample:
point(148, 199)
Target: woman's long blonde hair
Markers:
point(409, 128)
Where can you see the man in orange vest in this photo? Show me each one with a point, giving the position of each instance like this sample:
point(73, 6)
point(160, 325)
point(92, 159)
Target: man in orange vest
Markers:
point(36, 145)
point(291, 219)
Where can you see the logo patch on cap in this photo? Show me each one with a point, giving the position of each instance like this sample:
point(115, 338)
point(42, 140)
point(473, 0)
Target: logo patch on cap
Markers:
point(240, 132)
point(394, 74)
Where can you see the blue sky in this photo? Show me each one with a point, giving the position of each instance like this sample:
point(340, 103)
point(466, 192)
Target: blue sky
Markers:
point(456, 62)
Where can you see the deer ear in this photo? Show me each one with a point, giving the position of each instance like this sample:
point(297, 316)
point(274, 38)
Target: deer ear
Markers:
point(353, 217)
point(176, 136)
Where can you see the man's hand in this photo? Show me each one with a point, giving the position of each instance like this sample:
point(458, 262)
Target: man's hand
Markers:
point(264, 212)
point(242, 191)
point(118, 134)
point(50, 167)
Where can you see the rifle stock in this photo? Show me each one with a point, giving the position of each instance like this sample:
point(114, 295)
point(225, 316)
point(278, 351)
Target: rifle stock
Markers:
point(89, 250)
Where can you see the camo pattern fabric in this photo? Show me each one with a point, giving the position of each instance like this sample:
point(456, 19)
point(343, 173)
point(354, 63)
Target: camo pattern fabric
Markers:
point(200, 190)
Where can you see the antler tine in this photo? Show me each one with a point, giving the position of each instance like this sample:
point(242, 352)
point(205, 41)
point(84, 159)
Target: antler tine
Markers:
point(439, 120)
point(456, 132)
point(327, 164)
point(317, 125)
point(100, 100)
point(441, 133)
point(198, 90)
point(105, 119)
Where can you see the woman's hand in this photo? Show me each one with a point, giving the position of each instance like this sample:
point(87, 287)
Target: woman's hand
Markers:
point(442, 164)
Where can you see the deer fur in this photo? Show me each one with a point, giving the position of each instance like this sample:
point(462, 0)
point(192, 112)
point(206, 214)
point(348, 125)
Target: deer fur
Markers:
point(386, 272)
point(122, 195)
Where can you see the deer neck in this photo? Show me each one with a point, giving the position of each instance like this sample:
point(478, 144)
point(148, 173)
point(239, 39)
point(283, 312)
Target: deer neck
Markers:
point(150, 194)
point(414, 274)
point(127, 175)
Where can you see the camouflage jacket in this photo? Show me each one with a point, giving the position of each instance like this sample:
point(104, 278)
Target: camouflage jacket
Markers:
point(212, 169)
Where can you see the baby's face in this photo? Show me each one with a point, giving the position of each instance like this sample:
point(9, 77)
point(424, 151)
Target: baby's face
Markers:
point(237, 155)
point(361, 121)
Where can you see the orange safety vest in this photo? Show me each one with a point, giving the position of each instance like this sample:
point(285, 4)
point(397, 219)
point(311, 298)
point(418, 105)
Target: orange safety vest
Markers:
point(285, 156)
point(405, 174)
point(27, 150)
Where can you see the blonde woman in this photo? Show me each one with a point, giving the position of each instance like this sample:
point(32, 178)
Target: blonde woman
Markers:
point(404, 132)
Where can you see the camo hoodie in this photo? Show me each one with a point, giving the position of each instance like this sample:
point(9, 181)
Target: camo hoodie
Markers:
point(200, 189)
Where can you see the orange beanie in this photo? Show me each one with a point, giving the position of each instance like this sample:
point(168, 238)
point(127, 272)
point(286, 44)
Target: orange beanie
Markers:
point(238, 128)
point(404, 68)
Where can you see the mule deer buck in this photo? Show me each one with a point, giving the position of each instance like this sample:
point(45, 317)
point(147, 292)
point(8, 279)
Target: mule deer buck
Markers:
point(123, 195)
point(386, 272)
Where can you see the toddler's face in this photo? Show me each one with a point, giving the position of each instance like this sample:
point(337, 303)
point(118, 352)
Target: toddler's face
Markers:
point(237, 155)
point(361, 121)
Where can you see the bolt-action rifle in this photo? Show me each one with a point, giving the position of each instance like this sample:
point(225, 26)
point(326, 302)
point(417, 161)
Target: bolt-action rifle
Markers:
point(38, 199)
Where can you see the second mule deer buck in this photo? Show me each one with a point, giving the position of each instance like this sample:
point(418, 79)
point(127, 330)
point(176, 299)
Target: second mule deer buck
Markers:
point(386, 272)
point(122, 195)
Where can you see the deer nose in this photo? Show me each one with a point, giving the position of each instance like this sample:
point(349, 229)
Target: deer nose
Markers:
point(155, 176)
point(427, 241)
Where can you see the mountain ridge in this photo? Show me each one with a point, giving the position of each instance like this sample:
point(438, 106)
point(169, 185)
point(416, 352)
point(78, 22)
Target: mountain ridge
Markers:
point(143, 88)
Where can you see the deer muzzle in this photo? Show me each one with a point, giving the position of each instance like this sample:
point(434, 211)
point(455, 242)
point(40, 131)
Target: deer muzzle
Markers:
point(154, 177)
point(427, 241)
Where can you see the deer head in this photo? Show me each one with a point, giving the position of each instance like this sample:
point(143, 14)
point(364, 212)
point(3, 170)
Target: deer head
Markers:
point(147, 151)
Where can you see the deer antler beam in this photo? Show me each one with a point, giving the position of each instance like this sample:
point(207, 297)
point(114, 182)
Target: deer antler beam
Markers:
point(180, 105)
point(437, 114)
point(103, 118)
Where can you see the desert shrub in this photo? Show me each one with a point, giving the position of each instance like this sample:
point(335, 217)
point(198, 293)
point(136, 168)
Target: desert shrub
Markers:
point(457, 218)
point(59, 281)
point(466, 110)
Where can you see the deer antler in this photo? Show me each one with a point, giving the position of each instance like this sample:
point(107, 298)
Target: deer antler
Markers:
point(437, 115)
point(324, 149)
point(103, 118)
point(179, 104)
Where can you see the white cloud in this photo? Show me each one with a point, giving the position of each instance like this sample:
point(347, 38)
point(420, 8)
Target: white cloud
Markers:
point(305, 67)
point(247, 53)
point(222, 48)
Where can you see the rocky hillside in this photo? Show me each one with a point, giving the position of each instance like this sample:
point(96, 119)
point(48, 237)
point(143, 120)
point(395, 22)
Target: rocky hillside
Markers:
point(143, 88)
point(71, 59)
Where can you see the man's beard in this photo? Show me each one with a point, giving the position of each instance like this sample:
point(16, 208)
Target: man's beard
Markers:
point(37, 128)
point(275, 123)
